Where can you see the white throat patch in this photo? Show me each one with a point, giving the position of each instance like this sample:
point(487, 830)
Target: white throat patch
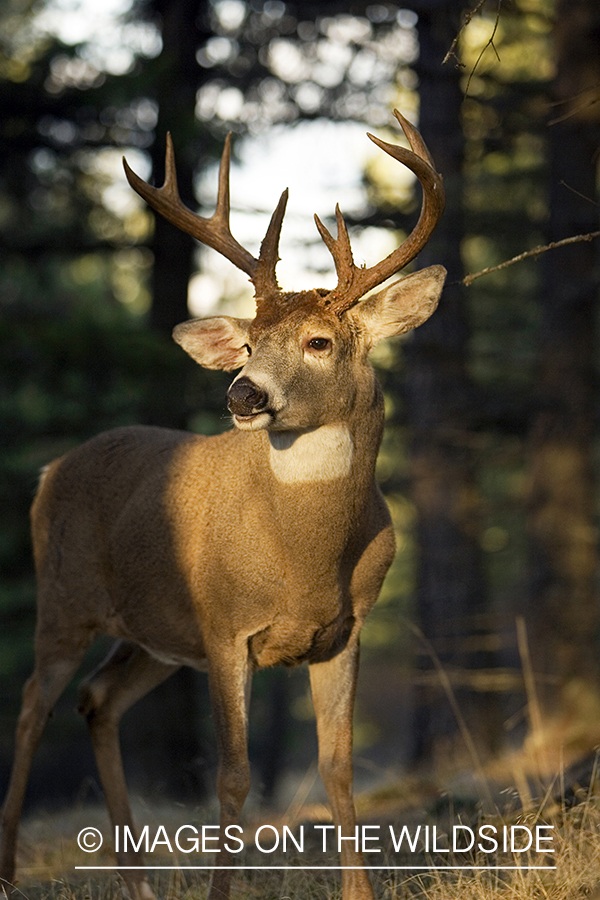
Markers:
point(318, 454)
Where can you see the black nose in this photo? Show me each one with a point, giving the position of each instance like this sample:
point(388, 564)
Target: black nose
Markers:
point(244, 398)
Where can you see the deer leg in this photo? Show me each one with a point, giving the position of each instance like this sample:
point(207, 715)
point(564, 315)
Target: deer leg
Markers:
point(333, 685)
point(229, 681)
point(125, 676)
point(53, 671)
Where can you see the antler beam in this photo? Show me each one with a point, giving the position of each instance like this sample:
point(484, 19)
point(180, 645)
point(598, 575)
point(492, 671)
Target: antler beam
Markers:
point(215, 231)
point(355, 281)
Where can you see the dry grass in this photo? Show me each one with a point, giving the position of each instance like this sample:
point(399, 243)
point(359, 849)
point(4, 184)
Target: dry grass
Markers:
point(49, 856)
point(577, 872)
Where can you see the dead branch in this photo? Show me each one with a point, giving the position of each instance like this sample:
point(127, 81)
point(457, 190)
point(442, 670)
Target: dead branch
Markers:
point(580, 107)
point(491, 44)
point(452, 50)
point(553, 245)
point(587, 199)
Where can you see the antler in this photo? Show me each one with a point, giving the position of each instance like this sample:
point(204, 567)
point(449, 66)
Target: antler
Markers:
point(215, 231)
point(354, 281)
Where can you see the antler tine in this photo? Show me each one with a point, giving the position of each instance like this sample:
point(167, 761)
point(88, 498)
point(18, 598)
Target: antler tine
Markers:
point(222, 211)
point(415, 139)
point(339, 248)
point(353, 281)
point(265, 281)
point(213, 231)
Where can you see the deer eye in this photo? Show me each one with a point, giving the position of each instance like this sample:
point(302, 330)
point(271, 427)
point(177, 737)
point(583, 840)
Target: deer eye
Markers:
point(319, 344)
point(248, 349)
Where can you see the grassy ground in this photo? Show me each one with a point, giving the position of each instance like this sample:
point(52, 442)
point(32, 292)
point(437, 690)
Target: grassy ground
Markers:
point(49, 854)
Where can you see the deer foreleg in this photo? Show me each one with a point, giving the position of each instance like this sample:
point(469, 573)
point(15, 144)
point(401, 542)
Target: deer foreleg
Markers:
point(333, 685)
point(229, 680)
point(126, 675)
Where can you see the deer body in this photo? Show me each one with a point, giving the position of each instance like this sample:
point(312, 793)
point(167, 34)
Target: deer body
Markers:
point(262, 546)
point(184, 546)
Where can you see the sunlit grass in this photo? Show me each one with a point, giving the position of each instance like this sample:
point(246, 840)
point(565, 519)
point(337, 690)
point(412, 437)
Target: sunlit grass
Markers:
point(49, 856)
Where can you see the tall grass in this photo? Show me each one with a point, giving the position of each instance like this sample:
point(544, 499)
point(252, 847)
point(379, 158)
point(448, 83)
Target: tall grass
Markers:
point(50, 855)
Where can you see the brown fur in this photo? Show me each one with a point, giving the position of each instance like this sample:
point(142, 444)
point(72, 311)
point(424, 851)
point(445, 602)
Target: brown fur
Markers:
point(192, 551)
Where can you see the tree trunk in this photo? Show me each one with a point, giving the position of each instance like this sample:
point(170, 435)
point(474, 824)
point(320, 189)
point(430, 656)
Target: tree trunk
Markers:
point(176, 708)
point(563, 608)
point(450, 590)
point(177, 79)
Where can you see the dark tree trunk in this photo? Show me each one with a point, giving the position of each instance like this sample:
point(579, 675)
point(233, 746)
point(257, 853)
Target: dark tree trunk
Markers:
point(450, 591)
point(177, 79)
point(175, 764)
point(563, 611)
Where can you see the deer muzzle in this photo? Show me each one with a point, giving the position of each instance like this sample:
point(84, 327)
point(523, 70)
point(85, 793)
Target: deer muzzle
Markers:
point(244, 398)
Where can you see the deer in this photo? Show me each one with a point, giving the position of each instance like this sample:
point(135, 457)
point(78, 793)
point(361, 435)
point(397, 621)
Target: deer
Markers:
point(265, 545)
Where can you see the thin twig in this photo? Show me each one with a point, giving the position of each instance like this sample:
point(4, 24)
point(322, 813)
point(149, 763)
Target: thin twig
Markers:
point(571, 97)
point(491, 44)
point(580, 108)
point(302, 792)
point(468, 16)
point(575, 239)
point(464, 730)
point(564, 184)
point(533, 703)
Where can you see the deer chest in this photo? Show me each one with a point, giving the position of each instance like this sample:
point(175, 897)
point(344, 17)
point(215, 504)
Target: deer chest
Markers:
point(290, 641)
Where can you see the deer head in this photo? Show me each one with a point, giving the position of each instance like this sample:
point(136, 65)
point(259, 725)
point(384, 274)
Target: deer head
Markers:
point(319, 333)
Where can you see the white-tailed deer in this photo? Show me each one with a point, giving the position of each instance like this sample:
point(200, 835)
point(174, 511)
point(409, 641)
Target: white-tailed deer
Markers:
point(265, 545)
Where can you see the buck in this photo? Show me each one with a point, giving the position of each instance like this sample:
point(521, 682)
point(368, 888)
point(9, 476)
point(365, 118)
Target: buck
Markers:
point(266, 545)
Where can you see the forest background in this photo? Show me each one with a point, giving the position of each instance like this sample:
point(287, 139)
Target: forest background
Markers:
point(486, 635)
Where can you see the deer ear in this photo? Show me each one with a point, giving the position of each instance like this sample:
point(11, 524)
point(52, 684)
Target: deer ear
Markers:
point(219, 343)
point(402, 306)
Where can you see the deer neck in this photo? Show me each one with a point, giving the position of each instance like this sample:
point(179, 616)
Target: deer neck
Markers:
point(327, 453)
point(313, 455)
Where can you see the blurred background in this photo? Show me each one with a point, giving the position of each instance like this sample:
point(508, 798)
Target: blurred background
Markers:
point(486, 634)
